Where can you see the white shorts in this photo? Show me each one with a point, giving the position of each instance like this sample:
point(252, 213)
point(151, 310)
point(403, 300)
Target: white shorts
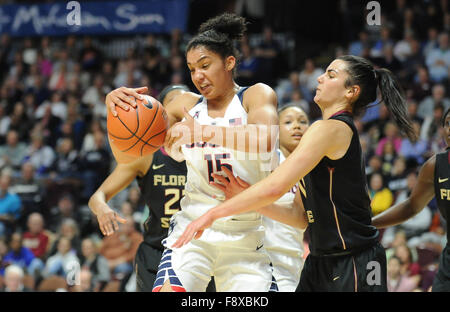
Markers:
point(286, 269)
point(232, 252)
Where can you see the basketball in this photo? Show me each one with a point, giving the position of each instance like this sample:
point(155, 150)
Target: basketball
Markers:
point(139, 131)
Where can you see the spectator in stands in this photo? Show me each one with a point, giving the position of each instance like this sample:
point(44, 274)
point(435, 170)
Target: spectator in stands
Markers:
point(387, 157)
point(20, 121)
point(381, 196)
point(268, 52)
point(432, 123)
point(57, 104)
point(3, 252)
point(86, 284)
point(39, 155)
point(357, 47)
point(438, 60)
point(63, 261)
point(36, 238)
point(10, 205)
point(412, 63)
point(437, 97)
point(13, 152)
point(95, 263)
point(384, 40)
point(286, 88)
point(396, 280)
point(94, 165)
point(90, 57)
point(22, 256)
point(14, 280)
point(414, 150)
point(414, 227)
point(66, 221)
point(93, 97)
point(389, 60)
point(431, 42)
point(120, 248)
point(297, 99)
point(374, 166)
point(397, 180)
point(65, 168)
point(30, 190)
point(408, 266)
point(308, 78)
point(248, 68)
point(390, 135)
point(412, 110)
point(75, 120)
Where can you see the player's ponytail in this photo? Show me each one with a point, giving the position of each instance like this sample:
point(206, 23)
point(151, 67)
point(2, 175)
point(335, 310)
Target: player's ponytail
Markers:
point(362, 73)
point(394, 99)
point(218, 34)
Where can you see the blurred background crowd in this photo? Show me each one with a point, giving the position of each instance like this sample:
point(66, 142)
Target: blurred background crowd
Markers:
point(54, 151)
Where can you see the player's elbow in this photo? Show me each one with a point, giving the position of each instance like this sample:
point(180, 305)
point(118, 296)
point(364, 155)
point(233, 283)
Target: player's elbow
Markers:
point(275, 192)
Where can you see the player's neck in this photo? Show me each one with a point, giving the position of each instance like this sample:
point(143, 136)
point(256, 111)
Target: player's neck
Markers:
point(329, 111)
point(225, 99)
point(285, 151)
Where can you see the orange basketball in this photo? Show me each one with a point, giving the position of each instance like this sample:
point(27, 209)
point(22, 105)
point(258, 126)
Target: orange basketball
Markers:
point(139, 131)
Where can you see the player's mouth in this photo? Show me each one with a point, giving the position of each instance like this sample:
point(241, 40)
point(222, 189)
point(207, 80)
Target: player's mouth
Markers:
point(297, 136)
point(205, 88)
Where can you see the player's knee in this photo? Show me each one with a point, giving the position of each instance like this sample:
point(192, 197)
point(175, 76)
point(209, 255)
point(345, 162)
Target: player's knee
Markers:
point(166, 287)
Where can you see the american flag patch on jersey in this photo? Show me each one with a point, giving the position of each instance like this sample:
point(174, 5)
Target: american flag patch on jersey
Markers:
point(165, 271)
point(235, 121)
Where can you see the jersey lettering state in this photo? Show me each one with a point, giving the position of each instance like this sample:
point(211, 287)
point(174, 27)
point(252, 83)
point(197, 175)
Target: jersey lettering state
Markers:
point(163, 189)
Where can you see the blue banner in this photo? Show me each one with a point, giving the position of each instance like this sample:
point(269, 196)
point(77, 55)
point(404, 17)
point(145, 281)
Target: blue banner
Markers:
point(107, 17)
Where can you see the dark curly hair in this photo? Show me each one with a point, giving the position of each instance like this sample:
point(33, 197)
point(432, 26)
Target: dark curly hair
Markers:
point(219, 33)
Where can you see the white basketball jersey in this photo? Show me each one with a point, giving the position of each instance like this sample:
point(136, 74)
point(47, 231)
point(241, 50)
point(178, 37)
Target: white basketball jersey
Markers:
point(203, 159)
point(281, 237)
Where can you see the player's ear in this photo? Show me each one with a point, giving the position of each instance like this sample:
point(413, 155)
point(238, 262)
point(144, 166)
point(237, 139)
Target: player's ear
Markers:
point(230, 62)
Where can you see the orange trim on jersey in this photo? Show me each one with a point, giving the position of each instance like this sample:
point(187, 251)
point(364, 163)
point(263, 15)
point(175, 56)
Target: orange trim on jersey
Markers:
point(334, 208)
point(354, 272)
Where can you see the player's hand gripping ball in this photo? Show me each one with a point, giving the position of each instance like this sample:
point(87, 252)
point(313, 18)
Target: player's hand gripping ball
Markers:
point(139, 131)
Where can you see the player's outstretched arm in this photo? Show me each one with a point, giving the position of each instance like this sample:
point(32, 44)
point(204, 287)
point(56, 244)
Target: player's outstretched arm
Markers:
point(324, 138)
point(292, 214)
point(118, 180)
point(421, 195)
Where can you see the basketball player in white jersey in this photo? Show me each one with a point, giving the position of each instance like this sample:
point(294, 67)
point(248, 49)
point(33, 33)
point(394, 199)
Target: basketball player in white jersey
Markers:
point(284, 243)
point(231, 250)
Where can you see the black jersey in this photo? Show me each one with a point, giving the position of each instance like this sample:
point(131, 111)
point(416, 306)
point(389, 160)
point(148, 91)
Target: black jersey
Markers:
point(442, 186)
point(162, 188)
point(337, 203)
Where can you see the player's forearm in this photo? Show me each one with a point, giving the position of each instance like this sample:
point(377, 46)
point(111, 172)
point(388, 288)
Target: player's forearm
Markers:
point(395, 215)
point(97, 203)
point(250, 138)
point(252, 199)
point(285, 213)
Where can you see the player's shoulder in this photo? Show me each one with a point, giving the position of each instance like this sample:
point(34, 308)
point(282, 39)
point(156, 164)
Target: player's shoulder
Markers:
point(428, 168)
point(188, 99)
point(259, 94)
point(259, 88)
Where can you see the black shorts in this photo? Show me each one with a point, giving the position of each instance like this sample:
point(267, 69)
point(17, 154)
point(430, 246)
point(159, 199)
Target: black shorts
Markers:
point(146, 265)
point(362, 271)
point(441, 282)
